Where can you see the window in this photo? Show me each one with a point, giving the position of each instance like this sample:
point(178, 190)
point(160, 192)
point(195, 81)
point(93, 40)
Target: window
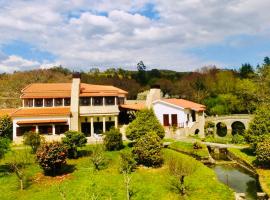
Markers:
point(67, 101)
point(58, 102)
point(193, 115)
point(48, 102)
point(45, 129)
point(85, 101)
point(38, 102)
point(59, 129)
point(28, 102)
point(110, 100)
point(97, 101)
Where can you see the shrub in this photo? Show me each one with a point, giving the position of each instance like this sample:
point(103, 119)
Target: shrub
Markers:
point(51, 157)
point(209, 128)
point(4, 146)
point(259, 127)
point(127, 162)
point(147, 150)
point(6, 127)
point(98, 157)
point(238, 139)
point(263, 153)
point(145, 122)
point(33, 139)
point(72, 141)
point(197, 145)
point(113, 140)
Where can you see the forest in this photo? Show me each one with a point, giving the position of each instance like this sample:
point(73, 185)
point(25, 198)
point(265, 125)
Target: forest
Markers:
point(223, 91)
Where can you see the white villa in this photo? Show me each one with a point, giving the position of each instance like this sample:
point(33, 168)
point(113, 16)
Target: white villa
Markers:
point(53, 108)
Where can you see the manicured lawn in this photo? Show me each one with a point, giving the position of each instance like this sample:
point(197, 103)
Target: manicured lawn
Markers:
point(187, 147)
point(264, 174)
point(85, 183)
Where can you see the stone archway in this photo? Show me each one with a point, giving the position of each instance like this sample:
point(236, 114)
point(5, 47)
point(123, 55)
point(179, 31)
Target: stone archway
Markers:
point(221, 129)
point(238, 127)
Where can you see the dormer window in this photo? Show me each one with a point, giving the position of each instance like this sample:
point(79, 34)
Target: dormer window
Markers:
point(48, 102)
point(58, 102)
point(38, 102)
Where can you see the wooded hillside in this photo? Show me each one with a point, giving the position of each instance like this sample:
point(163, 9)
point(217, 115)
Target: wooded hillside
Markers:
point(222, 91)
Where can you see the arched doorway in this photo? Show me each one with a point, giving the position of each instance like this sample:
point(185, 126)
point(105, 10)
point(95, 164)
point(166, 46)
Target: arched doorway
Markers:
point(238, 128)
point(221, 129)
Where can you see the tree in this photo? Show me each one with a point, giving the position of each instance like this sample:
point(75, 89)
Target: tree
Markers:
point(6, 126)
point(33, 139)
point(113, 140)
point(147, 150)
point(73, 140)
point(144, 123)
point(142, 79)
point(263, 153)
point(98, 157)
point(51, 157)
point(246, 70)
point(4, 146)
point(179, 168)
point(259, 127)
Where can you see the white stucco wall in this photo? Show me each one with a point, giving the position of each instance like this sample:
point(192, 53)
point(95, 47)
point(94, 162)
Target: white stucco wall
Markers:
point(161, 108)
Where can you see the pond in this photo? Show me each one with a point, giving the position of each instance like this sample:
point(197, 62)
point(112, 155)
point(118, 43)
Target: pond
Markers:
point(239, 179)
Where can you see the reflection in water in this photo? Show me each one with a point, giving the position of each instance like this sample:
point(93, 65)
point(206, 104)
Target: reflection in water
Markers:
point(238, 179)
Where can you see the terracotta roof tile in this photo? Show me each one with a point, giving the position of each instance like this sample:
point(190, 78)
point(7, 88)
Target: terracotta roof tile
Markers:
point(135, 106)
point(185, 104)
point(62, 90)
point(50, 111)
point(41, 121)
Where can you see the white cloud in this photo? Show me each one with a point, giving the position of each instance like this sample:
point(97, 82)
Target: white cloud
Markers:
point(14, 63)
point(106, 33)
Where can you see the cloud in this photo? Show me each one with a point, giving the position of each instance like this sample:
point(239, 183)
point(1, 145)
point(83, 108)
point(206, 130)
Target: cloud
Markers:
point(15, 63)
point(82, 34)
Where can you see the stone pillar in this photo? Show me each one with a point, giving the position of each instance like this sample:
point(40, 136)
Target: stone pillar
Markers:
point(103, 101)
point(14, 130)
point(23, 103)
point(37, 129)
point(104, 124)
point(91, 101)
point(116, 121)
point(53, 129)
point(53, 102)
point(43, 102)
point(115, 101)
point(229, 129)
point(92, 126)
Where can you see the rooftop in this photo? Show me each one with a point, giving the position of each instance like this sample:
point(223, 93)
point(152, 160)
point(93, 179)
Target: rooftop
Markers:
point(185, 104)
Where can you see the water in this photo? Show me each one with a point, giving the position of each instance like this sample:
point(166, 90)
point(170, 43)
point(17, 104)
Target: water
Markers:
point(239, 179)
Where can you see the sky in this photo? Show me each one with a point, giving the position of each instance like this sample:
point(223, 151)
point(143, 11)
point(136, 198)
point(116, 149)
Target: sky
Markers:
point(181, 35)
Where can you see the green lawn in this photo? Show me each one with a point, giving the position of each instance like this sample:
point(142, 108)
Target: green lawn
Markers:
point(264, 174)
point(84, 183)
point(187, 147)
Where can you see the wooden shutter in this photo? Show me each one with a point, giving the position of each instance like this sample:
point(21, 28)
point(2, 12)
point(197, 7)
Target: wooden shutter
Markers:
point(166, 120)
point(174, 120)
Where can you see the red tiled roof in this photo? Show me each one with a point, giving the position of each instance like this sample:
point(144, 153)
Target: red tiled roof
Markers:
point(50, 111)
point(185, 104)
point(41, 122)
point(62, 90)
point(7, 111)
point(134, 106)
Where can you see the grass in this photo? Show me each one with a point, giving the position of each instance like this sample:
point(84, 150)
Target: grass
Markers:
point(85, 183)
point(187, 147)
point(221, 140)
point(264, 174)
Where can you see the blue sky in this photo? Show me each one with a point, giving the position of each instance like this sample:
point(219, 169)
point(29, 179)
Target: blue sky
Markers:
point(179, 35)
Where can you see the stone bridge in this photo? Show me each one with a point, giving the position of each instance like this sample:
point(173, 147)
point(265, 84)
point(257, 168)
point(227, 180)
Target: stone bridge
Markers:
point(233, 123)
